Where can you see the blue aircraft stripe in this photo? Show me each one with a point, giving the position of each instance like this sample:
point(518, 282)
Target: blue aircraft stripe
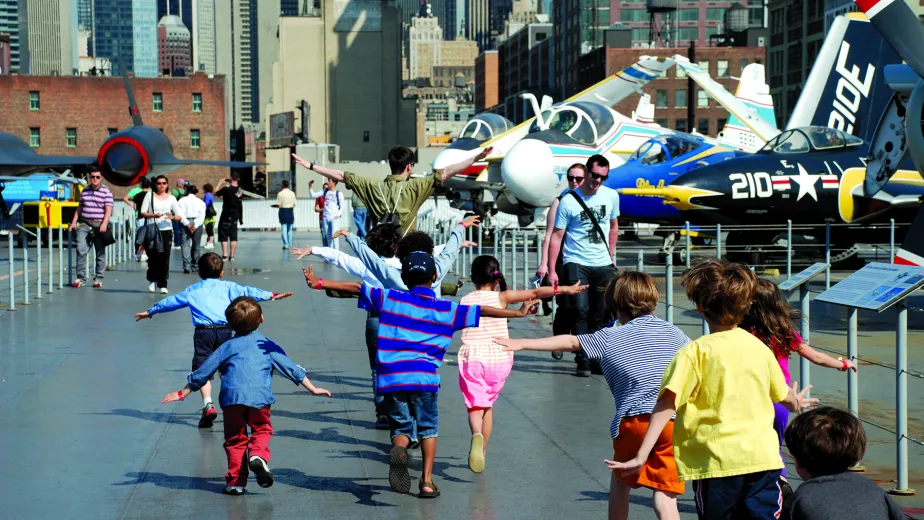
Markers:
point(584, 151)
point(639, 74)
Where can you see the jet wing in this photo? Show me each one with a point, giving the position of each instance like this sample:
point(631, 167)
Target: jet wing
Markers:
point(626, 82)
point(173, 161)
point(735, 106)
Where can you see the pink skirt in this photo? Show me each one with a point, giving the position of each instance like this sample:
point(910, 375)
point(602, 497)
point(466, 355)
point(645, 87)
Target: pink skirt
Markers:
point(483, 370)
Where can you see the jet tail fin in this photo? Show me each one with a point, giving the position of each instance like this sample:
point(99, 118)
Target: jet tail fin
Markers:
point(846, 88)
point(911, 251)
point(754, 93)
point(644, 113)
point(132, 103)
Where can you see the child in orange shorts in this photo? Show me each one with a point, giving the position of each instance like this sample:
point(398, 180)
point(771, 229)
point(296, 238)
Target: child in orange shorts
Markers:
point(633, 358)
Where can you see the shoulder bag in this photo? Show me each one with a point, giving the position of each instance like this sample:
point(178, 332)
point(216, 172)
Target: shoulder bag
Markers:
point(148, 236)
point(593, 220)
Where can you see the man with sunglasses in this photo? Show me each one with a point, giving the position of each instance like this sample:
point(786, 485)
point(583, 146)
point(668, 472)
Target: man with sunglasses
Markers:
point(586, 230)
point(91, 220)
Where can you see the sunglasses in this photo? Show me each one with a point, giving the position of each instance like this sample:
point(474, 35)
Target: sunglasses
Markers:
point(161, 183)
point(597, 176)
point(572, 178)
point(96, 176)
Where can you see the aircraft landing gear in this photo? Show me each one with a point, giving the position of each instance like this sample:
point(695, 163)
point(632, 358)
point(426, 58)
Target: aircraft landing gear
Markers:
point(670, 247)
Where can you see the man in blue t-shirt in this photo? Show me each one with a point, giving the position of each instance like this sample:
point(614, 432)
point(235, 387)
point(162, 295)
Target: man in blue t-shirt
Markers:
point(587, 255)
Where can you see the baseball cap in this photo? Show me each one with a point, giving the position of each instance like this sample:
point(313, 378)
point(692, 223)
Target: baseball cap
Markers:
point(419, 262)
point(180, 182)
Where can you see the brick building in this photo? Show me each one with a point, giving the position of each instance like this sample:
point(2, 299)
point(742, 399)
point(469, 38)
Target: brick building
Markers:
point(486, 78)
point(74, 115)
point(525, 64)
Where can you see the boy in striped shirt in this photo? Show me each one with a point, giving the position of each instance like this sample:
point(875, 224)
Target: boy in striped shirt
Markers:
point(415, 329)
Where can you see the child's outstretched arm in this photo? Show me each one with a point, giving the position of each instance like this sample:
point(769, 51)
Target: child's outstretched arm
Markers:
point(796, 401)
point(315, 282)
point(562, 343)
point(176, 396)
point(540, 293)
point(201, 376)
point(313, 389)
point(660, 416)
point(447, 256)
point(168, 304)
point(823, 360)
point(527, 308)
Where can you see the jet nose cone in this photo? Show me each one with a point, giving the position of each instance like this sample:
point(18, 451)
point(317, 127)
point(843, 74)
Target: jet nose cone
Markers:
point(527, 171)
point(453, 155)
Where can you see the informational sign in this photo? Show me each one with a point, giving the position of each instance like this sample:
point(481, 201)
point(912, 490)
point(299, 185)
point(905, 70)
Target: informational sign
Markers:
point(876, 287)
point(358, 15)
point(803, 276)
point(282, 129)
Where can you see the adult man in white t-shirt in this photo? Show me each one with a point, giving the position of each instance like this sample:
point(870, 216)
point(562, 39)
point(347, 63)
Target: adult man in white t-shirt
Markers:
point(333, 209)
point(587, 255)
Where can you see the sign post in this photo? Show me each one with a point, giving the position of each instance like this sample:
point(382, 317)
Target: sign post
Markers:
point(877, 287)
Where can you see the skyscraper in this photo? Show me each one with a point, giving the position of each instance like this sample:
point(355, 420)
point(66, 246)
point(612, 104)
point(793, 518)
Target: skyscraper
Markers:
point(13, 21)
point(203, 36)
point(85, 15)
point(51, 43)
point(182, 8)
point(173, 42)
point(126, 30)
point(289, 7)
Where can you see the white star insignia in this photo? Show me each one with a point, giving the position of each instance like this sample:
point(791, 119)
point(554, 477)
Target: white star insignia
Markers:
point(806, 183)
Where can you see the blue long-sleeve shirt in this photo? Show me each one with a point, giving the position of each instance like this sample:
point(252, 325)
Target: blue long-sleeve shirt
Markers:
point(246, 364)
point(390, 277)
point(207, 300)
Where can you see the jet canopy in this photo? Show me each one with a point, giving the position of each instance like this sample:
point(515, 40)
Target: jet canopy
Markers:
point(582, 121)
point(664, 148)
point(810, 138)
point(485, 127)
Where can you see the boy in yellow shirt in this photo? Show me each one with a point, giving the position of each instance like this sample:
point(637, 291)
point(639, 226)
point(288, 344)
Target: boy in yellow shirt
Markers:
point(722, 388)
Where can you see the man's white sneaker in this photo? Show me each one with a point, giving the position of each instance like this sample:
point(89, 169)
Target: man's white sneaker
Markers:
point(163, 290)
point(152, 287)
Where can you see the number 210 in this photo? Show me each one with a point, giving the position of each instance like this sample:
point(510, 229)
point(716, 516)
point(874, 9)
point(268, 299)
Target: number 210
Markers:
point(749, 185)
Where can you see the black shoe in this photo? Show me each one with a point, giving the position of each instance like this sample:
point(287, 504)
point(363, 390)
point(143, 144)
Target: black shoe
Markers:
point(595, 367)
point(261, 470)
point(413, 444)
point(381, 422)
point(398, 478)
point(583, 367)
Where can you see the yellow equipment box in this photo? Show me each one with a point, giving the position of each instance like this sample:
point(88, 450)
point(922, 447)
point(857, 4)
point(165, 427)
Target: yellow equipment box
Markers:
point(36, 214)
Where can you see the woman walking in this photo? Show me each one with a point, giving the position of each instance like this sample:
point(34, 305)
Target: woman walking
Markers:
point(161, 207)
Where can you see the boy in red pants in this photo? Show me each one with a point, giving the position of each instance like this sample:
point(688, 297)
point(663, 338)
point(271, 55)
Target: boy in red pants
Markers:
point(246, 362)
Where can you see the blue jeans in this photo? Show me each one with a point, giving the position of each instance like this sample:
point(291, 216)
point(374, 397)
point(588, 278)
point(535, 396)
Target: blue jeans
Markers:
point(178, 234)
point(327, 230)
point(407, 409)
point(359, 218)
point(372, 336)
point(286, 235)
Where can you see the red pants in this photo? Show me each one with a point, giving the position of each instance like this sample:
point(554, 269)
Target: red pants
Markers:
point(238, 446)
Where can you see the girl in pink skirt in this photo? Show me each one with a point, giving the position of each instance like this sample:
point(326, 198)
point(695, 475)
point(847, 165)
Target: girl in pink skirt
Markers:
point(483, 364)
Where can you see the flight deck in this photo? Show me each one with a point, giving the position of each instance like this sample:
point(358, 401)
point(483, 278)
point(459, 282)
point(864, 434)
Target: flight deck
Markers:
point(85, 435)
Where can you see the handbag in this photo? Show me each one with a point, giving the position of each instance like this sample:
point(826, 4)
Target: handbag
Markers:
point(210, 211)
point(148, 236)
point(593, 220)
point(104, 238)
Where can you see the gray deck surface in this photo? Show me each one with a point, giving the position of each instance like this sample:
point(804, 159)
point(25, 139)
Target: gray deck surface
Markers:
point(85, 436)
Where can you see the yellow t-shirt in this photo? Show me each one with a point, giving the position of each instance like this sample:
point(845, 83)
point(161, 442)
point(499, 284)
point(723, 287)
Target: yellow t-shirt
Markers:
point(725, 385)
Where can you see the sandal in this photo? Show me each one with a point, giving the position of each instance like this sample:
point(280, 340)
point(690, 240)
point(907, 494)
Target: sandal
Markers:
point(476, 454)
point(428, 494)
point(398, 477)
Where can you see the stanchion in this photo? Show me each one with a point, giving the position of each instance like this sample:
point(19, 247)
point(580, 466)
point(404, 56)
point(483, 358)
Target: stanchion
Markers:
point(640, 261)
point(901, 401)
point(853, 391)
point(891, 240)
point(12, 277)
point(70, 257)
point(789, 250)
point(705, 327)
point(526, 260)
point(828, 255)
point(689, 247)
point(539, 239)
point(480, 239)
point(718, 240)
point(38, 262)
point(513, 260)
point(25, 266)
point(51, 261)
point(60, 258)
point(467, 264)
point(499, 239)
point(669, 288)
point(804, 376)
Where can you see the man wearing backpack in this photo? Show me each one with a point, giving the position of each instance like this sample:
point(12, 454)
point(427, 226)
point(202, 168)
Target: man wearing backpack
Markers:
point(586, 230)
point(331, 213)
point(398, 198)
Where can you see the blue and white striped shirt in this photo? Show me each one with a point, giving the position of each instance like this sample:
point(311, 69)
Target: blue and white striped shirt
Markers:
point(633, 358)
point(415, 329)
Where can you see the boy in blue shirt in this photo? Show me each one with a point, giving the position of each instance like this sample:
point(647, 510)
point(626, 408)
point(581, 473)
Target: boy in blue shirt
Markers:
point(246, 362)
point(207, 301)
point(415, 329)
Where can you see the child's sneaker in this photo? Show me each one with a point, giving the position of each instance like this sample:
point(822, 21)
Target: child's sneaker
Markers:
point(209, 414)
point(398, 477)
point(381, 422)
point(78, 284)
point(233, 490)
point(97, 285)
point(261, 470)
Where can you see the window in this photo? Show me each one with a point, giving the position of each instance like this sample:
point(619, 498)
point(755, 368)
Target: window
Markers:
point(685, 34)
point(721, 68)
point(35, 137)
point(197, 102)
point(366, 136)
point(34, 100)
point(744, 63)
point(194, 138)
point(715, 14)
point(661, 122)
point(704, 66)
point(681, 74)
point(702, 126)
point(681, 125)
point(71, 136)
point(158, 102)
point(660, 99)
point(112, 131)
point(720, 125)
point(633, 15)
point(702, 99)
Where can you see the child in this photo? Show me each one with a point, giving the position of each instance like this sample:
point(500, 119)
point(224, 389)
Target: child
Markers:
point(825, 442)
point(770, 320)
point(722, 388)
point(415, 329)
point(247, 362)
point(633, 358)
point(484, 365)
point(207, 301)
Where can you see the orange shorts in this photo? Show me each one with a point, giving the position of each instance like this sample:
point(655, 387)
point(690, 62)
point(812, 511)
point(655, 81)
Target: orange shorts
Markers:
point(660, 471)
